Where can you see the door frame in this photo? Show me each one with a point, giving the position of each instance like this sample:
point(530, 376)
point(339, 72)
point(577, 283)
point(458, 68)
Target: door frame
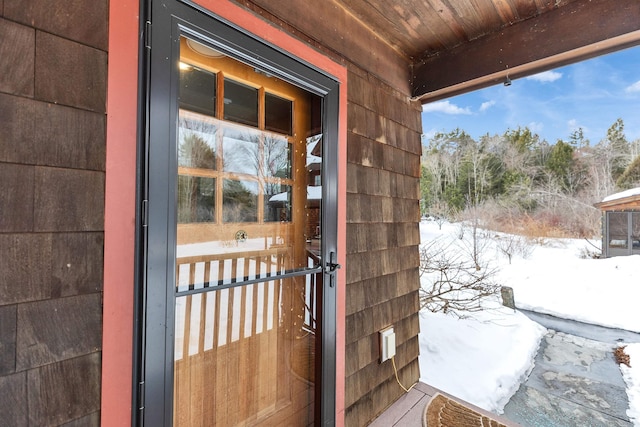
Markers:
point(123, 205)
point(154, 375)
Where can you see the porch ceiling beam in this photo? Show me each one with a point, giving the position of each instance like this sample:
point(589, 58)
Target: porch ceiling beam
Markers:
point(580, 30)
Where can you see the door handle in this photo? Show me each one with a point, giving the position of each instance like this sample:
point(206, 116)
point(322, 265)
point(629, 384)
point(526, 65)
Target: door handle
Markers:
point(331, 266)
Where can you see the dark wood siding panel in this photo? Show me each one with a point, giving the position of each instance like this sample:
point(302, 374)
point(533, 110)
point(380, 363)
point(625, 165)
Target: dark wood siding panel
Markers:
point(79, 20)
point(54, 330)
point(367, 348)
point(369, 92)
point(377, 396)
point(16, 198)
point(13, 404)
point(18, 128)
point(70, 73)
point(52, 105)
point(365, 324)
point(25, 267)
point(64, 391)
point(7, 341)
point(40, 133)
point(379, 236)
point(68, 137)
point(17, 53)
point(68, 200)
point(379, 263)
point(49, 265)
point(365, 381)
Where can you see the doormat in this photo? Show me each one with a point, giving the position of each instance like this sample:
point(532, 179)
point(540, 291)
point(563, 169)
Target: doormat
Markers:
point(444, 412)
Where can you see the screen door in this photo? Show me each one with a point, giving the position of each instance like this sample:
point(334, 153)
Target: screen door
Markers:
point(239, 292)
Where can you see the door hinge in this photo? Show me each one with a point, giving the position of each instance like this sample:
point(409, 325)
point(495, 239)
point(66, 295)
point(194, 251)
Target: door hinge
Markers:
point(141, 403)
point(147, 34)
point(145, 212)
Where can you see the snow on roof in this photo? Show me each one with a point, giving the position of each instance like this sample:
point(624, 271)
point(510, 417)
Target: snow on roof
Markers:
point(623, 194)
point(313, 193)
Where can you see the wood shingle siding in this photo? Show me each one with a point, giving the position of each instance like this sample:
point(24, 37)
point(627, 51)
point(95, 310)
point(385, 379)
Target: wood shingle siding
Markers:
point(383, 168)
point(53, 65)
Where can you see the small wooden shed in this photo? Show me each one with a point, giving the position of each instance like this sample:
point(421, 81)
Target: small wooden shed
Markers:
point(621, 223)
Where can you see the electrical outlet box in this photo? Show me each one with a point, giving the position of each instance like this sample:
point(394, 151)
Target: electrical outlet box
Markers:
point(387, 344)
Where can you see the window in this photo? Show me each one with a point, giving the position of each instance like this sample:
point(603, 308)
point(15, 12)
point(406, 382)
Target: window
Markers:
point(618, 230)
point(235, 151)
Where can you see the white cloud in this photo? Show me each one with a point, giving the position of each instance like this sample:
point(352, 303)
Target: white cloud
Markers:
point(445, 107)
point(633, 88)
point(536, 127)
point(486, 105)
point(546, 77)
point(429, 134)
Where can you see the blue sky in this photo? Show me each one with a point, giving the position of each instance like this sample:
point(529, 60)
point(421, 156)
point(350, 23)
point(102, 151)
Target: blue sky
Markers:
point(590, 94)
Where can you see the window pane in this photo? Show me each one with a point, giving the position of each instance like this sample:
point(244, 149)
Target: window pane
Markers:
point(197, 89)
point(618, 229)
point(240, 151)
point(277, 113)
point(240, 201)
point(277, 203)
point(240, 103)
point(635, 230)
point(277, 157)
point(196, 142)
point(196, 199)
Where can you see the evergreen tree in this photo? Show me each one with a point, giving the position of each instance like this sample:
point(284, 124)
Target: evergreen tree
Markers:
point(619, 146)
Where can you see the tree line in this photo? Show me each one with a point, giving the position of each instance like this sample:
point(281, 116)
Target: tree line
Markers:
point(519, 182)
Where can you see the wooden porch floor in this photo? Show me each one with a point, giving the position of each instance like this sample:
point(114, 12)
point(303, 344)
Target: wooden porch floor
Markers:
point(408, 410)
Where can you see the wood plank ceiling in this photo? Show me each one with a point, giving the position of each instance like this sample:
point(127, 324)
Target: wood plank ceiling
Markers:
point(460, 45)
point(419, 29)
point(433, 49)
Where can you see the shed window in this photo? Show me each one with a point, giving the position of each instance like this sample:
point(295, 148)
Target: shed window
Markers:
point(635, 230)
point(618, 230)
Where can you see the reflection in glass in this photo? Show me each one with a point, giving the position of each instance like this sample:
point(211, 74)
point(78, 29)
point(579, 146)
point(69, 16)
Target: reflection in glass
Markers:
point(253, 347)
point(197, 89)
point(196, 199)
point(239, 201)
point(277, 203)
point(240, 103)
point(196, 142)
point(278, 114)
point(277, 157)
point(240, 151)
point(248, 214)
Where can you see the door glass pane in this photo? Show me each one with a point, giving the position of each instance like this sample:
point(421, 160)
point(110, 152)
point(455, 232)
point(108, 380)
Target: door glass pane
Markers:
point(240, 103)
point(196, 199)
point(248, 216)
point(278, 114)
point(240, 201)
point(240, 147)
point(197, 89)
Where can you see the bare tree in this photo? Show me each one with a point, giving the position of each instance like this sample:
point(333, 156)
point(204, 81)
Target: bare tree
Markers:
point(452, 283)
point(511, 244)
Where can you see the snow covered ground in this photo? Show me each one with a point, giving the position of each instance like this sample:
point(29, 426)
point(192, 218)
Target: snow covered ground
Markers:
point(496, 347)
